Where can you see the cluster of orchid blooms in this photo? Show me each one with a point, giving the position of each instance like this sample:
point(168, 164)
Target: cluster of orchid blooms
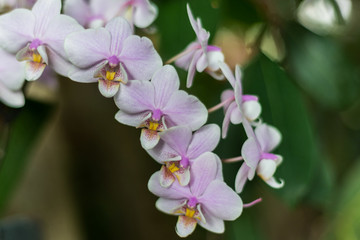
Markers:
point(95, 42)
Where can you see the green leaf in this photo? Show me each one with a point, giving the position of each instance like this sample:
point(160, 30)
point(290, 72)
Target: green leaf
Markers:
point(23, 133)
point(320, 67)
point(283, 107)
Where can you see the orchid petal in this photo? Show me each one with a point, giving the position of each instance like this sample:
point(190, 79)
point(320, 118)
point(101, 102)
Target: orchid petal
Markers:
point(178, 138)
point(140, 58)
point(42, 51)
point(226, 121)
point(203, 172)
point(225, 96)
point(33, 70)
point(119, 29)
point(184, 109)
point(59, 28)
point(58, 63)
point(166, 177)
point(214, 59)
point(149, 138)
point(272, 182)
point(202, 63)
point(241, 177)
point(44, 11)
point(192, 68)
point(107, 9)
point(251, 152)
point(175, 191)
point(16, 29)
point(221, 201)
point(236, 116)
point(89, 47)
point(12, 71)
point(183, 176)
point(108, 88)
point(185, 60)
point(85, 75)
point(204, 140)
point(268, 136)
point(78, 9)
point(266, 169)
point(11, 98)
point(166, 82)
point(213, 224)
point(169, 205)
point(133, 120)
point(185, 226)
point(227, 73)
point(144, 14)
point(251, 109)
point(136, 96)
point(162, 153)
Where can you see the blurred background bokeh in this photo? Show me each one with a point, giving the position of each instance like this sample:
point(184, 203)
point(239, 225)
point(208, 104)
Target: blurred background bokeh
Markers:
point(70, 171)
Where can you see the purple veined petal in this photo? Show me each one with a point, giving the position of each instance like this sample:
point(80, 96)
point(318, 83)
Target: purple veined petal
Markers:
point(241, 177)
point(185, 60)
point(251, 152)
point(251, 110)
point(84, 75)
point(44, 11)
point(136, 96)
point(11, 98)
point(106, 9)
point(166, 177)
point(184, 109)
point(16, 29)
point(88, 47)
point(119, 29)
point(108, 88)
point(183, 176)
point(149, 138)
point(213, 224)
point(162, 153)
point(227, 73)
point(59, 28)
point(202, 63)
point(236, 116)
point(221, 201)
point(204, 140)
point(174, 192)
point(192, 68)
point(134, 119)
point(226, 95)
point(226, 121)
point(185, 226)
point(272, 182)
point(266, 169)
point(33, 70)
point(140, 58)
point(144, 13)
point(12, 71)
point(214, 60)
point(166, 82)
point(169, 206)
point(178, 138)
point(203, 171)
point(268, 136)
point(78, 9)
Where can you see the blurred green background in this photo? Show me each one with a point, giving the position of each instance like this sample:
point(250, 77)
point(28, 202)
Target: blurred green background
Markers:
point(70, 171)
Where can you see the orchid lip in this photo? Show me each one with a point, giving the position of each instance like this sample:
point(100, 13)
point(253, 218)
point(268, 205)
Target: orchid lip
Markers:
point(35, 44)
point(246, 98)
point(268, 156)
point(113, 61)
point(192, 202)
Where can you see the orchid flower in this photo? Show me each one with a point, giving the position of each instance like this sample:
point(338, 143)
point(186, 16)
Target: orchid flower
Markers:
point(179, 147)
point(207, 199)
point(37, 36)
point(198, 55)
point(11, 80)
point(248, 105)
point(97, 13)
point(256, 153)
point(110, 56)
point(157, 105)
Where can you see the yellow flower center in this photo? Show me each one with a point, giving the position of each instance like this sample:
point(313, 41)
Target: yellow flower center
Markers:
point(189, 212)
point(37, 58)
point(110, 75)
point(153, 125)
point(173, 168)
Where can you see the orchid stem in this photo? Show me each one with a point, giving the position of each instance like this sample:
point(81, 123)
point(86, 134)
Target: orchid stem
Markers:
point(235, 159)
point(220, 105)
point(247, 205)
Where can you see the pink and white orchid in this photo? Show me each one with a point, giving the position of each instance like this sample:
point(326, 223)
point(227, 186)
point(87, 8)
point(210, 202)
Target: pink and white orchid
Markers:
point(97, 13)
point(180, 147)
point(158, 105)
point(206, 201)
point(111, 55)
point(37, 37)
point(198, 55)
point(256, 154)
